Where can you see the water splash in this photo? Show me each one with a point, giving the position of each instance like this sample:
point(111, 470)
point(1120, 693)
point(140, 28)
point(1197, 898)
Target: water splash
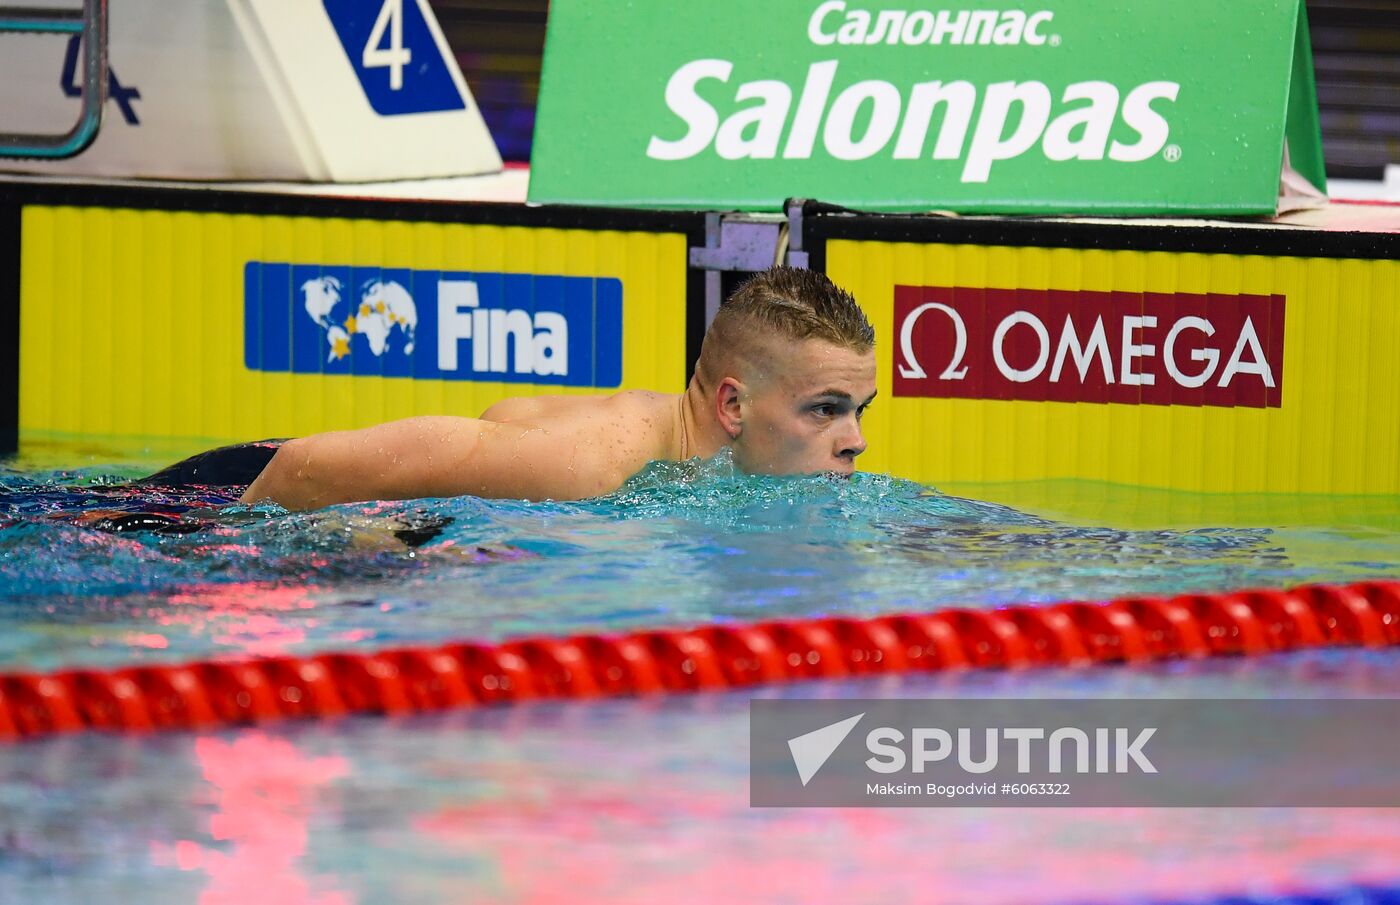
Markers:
point(95, 571)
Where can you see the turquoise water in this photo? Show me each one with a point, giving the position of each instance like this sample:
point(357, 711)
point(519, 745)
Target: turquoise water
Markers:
point(681, 544)
point(632, 800)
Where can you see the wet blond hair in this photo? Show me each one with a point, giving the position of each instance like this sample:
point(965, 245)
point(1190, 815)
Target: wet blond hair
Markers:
point(784, 303)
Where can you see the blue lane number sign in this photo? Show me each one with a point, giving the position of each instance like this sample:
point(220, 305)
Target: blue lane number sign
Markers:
point(396, 54)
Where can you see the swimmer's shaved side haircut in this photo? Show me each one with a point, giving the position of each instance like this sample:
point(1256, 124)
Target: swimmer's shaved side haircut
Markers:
point(783, 302)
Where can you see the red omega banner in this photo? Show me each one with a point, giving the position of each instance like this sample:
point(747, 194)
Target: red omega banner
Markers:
point(1137, 348)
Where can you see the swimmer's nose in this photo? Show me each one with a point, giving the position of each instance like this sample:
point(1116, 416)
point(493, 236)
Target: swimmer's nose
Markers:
point(852, 445)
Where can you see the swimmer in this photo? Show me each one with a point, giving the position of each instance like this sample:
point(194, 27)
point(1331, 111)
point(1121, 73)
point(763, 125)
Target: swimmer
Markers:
point(785, 373)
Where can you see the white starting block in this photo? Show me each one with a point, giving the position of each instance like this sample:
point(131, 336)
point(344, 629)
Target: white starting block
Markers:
point(304, 90)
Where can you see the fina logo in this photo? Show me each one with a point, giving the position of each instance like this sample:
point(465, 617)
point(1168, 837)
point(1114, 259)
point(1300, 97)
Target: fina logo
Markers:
point(514, 328)
point(383, 307)
point(541, 342)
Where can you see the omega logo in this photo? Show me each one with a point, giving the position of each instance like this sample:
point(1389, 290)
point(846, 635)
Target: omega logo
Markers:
point(1087, 346)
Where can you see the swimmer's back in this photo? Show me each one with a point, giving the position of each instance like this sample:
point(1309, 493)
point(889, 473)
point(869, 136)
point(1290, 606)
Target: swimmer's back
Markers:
point(641, 404)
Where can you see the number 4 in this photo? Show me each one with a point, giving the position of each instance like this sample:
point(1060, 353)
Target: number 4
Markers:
point(395, 56)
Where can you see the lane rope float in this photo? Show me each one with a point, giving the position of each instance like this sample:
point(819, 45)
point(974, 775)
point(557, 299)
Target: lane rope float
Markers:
point(214, 693)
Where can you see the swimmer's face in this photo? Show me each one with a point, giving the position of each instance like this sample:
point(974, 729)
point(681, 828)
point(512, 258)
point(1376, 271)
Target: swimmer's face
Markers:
point(800, 413)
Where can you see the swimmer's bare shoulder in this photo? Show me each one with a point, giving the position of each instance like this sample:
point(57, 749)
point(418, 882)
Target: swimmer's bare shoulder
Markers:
point(588, 445)
point(524, 408)
point(561, 447)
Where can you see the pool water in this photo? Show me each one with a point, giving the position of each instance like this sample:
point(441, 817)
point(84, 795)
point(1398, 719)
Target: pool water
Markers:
point(97, 572)
point(631, 800)
point(643, 801)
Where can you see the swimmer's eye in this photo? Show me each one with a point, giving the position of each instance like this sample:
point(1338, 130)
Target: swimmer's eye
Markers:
point(860, 412)
point(825, 410)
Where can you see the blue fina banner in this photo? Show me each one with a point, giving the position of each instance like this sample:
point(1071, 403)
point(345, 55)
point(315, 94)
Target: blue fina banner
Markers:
point(432, 324)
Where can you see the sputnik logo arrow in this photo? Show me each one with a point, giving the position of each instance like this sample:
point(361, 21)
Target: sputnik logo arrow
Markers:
point(811, 751)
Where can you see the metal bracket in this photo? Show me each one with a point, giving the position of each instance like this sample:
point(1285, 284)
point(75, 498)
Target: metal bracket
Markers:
point(91, 23)
point(747, 243)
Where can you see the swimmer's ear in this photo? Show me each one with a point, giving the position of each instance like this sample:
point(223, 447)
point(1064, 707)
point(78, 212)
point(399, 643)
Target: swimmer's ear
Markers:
point(728, 408)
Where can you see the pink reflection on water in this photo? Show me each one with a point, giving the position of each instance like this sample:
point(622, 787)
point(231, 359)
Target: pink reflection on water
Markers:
point(243, 615)
point(264, 798)
point(245, 595)
point(618, 842)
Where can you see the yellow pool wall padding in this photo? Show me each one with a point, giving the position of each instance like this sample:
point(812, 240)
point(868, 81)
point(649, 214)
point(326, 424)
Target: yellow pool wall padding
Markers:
point(1337, 430)
point(132, 321)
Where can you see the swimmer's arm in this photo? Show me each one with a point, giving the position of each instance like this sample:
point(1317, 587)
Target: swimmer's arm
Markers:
point(570, 456)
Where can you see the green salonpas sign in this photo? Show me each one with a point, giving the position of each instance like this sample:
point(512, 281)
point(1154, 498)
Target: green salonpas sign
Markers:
point(1142, 106)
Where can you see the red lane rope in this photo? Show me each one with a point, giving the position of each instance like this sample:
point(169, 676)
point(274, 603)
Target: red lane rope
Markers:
point(405, 680)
